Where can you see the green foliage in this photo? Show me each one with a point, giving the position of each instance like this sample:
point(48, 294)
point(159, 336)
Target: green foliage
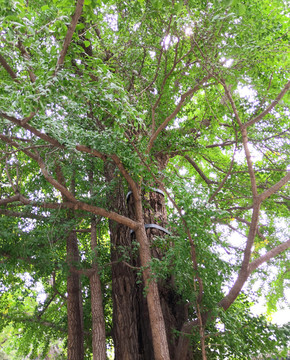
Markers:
point(127, 68)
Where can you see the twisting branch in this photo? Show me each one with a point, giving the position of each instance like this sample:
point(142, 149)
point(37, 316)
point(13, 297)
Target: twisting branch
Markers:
point(69, 34)
point(270, 107)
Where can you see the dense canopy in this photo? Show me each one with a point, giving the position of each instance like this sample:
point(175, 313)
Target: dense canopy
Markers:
point(144, 153)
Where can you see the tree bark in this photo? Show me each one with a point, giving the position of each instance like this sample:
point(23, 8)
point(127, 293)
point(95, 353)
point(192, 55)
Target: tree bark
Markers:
point(125, 335)
point(75, 347)
point(98, 321)
point(173, 308)
point(135, 303)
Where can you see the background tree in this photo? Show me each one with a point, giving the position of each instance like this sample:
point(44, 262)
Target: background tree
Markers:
point(121, 115)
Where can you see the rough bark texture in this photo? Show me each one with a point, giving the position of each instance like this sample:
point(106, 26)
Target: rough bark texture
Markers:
point(132, 330)
point(98, 321)
point(124, 298)
point(124, 292)
point(75, 348)
point(173, 309)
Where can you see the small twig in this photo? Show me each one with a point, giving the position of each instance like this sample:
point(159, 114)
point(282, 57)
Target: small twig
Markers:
point(224, 179)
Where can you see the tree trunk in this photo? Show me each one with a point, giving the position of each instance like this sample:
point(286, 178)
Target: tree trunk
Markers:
point(132, 330)
point(75, 347)
point(173, 308)
point(98, 321)
point(125, 335)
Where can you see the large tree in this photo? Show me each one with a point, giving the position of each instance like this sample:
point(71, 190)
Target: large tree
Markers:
point(144, 162)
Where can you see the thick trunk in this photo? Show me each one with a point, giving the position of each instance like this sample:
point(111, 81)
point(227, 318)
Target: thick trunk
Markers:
point(157, 325)
point(132, 325)
point(173, 308)
point(125, 335)
point(98, 321)
point(75, 347)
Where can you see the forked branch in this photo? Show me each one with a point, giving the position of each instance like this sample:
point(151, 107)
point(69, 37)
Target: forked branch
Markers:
point(178, 107)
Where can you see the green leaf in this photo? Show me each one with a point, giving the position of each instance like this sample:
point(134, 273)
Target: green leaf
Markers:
point(242, 8)
point(44, 7)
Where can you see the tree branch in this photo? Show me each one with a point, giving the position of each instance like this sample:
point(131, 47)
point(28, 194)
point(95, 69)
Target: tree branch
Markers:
point(69, 34)
point(270, 107)
point(178, 107)
point(119, 164)
point(269, 255)
point(26, 119)
point(243, 275)
point(274, 188)
point(73, 202)
point(26, 55)
point(88, 150)
point(199, 171)
point(224, 179)
point(24, 215)
point(7, 67)
point(22, 123)
point(10, 199)
point(245, 141)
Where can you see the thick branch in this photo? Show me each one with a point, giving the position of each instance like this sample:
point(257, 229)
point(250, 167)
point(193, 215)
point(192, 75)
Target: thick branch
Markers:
point(10, 199)
point(270, 107)
point(274, 188)
point(269, 255)
point(235, 290)
point(73, 202)
point(88, 150)
point(69, 34)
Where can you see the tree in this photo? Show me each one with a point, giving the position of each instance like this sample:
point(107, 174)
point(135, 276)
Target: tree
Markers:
point(163, 124)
